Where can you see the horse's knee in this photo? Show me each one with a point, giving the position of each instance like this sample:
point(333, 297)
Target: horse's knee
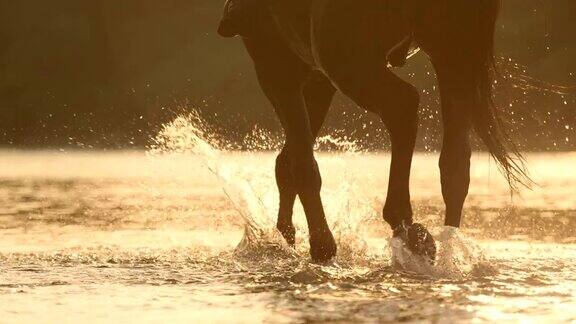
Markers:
point(305, 173)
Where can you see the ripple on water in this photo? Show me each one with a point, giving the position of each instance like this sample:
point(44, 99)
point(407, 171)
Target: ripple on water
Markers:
point(129, 237)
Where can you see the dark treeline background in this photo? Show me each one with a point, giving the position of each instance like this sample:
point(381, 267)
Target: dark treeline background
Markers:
point(109, 73)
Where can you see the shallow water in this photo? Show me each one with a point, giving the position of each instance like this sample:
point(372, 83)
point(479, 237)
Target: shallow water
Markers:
point(136, 237)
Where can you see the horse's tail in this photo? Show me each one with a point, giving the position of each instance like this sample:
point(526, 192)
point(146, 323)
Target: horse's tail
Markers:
point(488, 121)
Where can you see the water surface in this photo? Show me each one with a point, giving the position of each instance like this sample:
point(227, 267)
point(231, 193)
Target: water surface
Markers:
point(137, 237)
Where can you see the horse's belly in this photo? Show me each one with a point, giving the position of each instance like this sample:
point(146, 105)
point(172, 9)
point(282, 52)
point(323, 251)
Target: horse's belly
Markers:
point(344, 32)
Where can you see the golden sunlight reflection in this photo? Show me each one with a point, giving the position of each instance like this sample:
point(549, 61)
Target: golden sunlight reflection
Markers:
point(161, 231)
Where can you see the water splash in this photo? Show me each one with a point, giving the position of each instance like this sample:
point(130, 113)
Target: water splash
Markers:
point(190, 134)
point(331, 143)
point(252, 193)
point(458, 256)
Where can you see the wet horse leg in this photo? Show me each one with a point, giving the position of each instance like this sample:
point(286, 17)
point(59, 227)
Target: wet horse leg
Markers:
point(354, 59)
point(456, 152)
point(282, 77)
point(378, 90)
point(318, 93)
point(306, 178)
point(353, 56)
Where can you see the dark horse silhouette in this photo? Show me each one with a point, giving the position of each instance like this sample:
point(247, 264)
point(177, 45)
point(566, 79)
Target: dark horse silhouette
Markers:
point(306, 50)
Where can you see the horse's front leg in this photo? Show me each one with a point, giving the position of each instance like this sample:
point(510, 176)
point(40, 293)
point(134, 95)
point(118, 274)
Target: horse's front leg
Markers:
point(318, 93)
point(282, 77)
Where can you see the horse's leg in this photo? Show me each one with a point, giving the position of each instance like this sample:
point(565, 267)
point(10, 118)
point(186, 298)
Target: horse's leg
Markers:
point(318, 93)
point(456, 152)
point(349, 45)
point(291, 109)
point(282, 77)
point(378, 90)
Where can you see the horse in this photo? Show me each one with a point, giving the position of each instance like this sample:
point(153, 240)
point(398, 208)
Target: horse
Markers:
point(305, 51)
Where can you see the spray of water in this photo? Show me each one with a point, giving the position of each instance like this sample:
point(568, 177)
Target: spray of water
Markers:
point(189, 134)
point(458, 256)
point(252, 193)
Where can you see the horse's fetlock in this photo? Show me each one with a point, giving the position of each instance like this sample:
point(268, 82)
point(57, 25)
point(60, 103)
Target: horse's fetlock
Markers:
point(288, 231)
point(395, 214)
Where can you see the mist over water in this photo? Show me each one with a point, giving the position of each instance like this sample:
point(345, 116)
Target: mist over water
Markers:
point(186, 231)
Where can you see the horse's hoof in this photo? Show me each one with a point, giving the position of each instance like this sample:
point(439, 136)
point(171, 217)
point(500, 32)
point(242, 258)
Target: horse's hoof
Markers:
point(288, 232)
point(418, 240)
point(322, 248)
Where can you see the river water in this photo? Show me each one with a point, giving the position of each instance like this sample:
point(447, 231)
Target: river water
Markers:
point(178, 235)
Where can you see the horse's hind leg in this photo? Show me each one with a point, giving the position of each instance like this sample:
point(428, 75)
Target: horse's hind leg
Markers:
point(456, 152)
point(318, 93)
point(348, 44)
point(378, 90)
